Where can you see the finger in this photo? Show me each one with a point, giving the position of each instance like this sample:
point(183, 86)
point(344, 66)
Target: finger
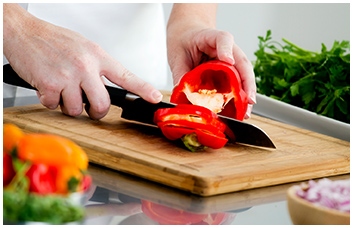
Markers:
point(87, 106)
point(98, 97)
point(248, 112)
point(224, 46)
point(245, 69)
point(119, 75)
point(49, 99)
point(71, 101)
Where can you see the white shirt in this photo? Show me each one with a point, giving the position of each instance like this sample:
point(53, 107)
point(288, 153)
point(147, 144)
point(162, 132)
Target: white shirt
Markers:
point(132, 33)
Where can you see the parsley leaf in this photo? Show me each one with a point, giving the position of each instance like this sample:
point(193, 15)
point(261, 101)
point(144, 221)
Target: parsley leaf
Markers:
point(316, 81)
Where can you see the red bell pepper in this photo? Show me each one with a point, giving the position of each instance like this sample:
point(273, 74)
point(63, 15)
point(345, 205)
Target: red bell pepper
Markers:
point(195, 116)
point(42, 178)
point(205, 138)
point(8, 170)
point(215, 85)
point(86, 183)
point(191, 125)
point(215, 119)
point(196, 126)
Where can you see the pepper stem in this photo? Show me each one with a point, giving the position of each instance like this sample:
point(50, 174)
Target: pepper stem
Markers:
point(192, 143)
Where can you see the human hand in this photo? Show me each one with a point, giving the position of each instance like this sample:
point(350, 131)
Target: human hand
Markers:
point(190, 44)
point(61, 63)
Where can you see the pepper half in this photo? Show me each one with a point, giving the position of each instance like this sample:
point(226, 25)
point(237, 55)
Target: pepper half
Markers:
point(196, 126)
point(215, 85)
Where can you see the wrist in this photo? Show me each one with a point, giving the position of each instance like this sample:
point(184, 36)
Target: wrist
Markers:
point(188, 16)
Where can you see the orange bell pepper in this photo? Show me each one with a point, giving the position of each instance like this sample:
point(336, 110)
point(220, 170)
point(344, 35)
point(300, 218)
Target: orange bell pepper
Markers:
point(51, 150)
point(11, 135)
point(67, 180)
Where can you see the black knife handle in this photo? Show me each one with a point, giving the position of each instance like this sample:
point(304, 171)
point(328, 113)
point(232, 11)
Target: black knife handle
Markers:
point(117, 95)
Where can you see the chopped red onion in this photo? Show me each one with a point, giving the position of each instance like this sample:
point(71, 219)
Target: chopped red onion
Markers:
point(327, 193)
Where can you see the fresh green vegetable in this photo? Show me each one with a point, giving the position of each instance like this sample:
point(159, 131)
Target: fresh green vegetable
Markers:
point(318, 82)
point(24, 207)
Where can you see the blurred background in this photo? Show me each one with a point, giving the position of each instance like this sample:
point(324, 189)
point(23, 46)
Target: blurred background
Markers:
point(304, 24)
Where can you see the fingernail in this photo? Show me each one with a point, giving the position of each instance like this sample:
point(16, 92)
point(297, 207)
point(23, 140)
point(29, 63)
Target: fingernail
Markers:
point(248, 112)
point(247, 115)
point(157, 95)
point(253, 98)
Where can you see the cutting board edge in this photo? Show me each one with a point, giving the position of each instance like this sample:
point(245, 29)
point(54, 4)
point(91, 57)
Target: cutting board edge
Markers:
point(215, 185)
point(229, 185)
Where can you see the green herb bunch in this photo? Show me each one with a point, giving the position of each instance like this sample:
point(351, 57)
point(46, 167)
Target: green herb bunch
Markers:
point(318, 82)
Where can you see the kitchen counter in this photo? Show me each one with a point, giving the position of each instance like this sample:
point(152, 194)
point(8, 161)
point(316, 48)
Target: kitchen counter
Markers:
point(115, 198)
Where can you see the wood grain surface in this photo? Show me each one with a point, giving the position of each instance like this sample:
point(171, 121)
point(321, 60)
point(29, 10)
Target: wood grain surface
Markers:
point(143, 151)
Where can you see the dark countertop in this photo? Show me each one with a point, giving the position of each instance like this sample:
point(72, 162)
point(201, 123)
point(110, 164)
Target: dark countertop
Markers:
point(116, 198)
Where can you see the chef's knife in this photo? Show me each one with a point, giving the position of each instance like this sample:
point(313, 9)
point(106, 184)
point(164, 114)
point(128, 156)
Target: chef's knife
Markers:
point(137, 109)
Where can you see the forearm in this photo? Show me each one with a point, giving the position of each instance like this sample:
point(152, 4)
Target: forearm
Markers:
point(187, 15)
point(18, 25)
point(13, 15)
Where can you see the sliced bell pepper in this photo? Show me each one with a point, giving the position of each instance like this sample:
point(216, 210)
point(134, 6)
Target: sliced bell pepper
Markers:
point(196, 126)
point(190, 125)
point(214, 116)
point(215, 85)
point(190, 113)
point(205, 138)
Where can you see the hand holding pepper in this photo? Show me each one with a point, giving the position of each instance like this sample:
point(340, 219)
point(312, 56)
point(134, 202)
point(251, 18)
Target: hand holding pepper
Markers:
point(192, 39)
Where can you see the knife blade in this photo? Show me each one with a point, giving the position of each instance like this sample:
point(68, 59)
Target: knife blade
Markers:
point(137, 109)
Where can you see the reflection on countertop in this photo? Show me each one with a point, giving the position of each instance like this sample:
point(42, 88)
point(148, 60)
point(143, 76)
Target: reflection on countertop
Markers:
point(119, 198)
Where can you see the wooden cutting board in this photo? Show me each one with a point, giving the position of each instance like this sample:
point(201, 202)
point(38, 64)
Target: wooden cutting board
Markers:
point(143, 151)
